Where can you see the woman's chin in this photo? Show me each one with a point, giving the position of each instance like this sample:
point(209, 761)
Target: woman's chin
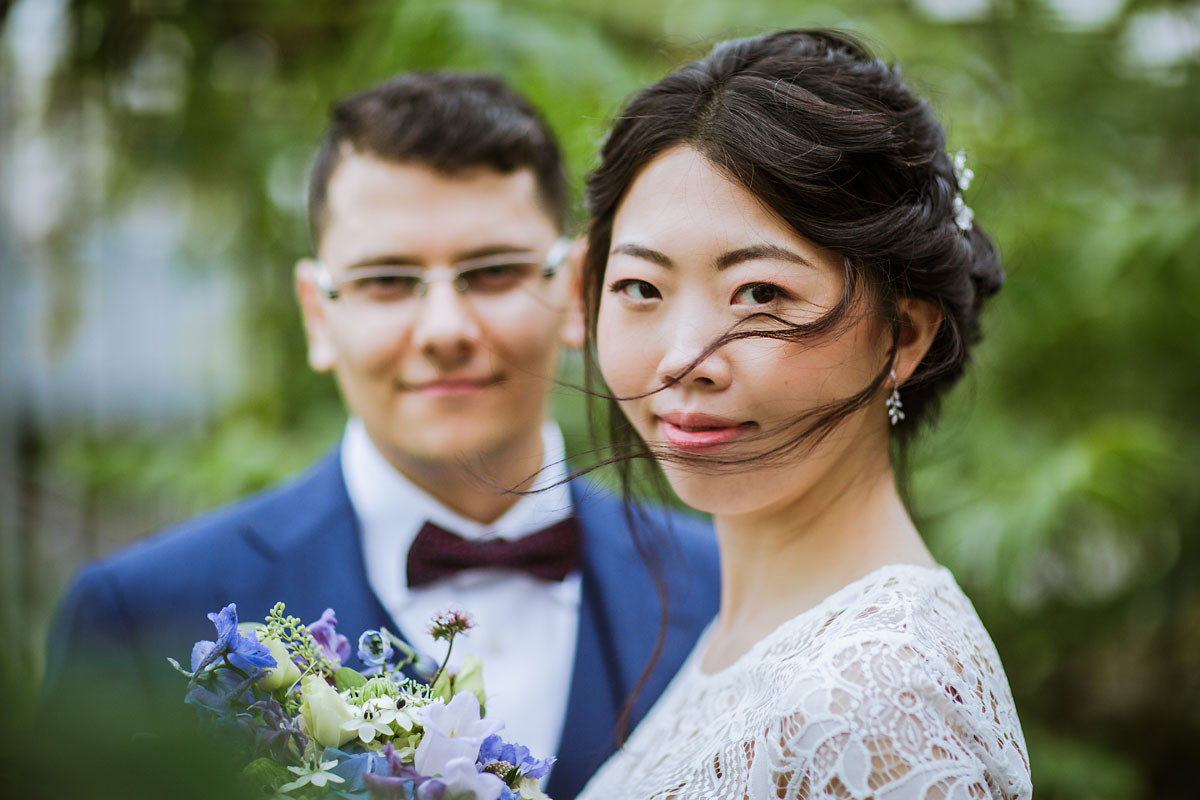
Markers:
point(717, 493)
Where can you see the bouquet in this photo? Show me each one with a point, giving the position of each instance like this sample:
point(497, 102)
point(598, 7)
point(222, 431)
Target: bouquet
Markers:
point(322, 729)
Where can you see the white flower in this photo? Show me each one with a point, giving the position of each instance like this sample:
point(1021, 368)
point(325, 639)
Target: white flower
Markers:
point(407, 717)
point(964, 217)
point(374, 718)
point(452, 730)
point(962, 172)
point(316, 773)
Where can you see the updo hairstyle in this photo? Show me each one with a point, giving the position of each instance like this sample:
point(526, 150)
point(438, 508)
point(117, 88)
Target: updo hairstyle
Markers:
point(835, 144)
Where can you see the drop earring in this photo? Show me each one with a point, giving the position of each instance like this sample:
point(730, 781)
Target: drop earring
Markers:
point(895, 408)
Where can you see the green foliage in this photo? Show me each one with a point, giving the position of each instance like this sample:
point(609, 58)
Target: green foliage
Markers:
point(345, 678)
point(1060, 485)
point(293, 633)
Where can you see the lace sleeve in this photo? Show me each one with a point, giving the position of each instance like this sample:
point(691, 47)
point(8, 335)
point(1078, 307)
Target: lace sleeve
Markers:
point(886, 723)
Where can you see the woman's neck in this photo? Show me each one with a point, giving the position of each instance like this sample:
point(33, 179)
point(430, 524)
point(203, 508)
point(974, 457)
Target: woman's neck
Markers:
point(780, 561)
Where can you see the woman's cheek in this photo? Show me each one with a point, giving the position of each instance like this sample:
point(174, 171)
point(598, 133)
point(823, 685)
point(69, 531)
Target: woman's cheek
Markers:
point(626, 362)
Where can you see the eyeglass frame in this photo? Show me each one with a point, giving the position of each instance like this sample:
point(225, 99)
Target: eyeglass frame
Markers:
point(556, 256)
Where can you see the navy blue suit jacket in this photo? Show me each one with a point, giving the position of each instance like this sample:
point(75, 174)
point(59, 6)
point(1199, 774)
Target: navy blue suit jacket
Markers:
point(300, 544)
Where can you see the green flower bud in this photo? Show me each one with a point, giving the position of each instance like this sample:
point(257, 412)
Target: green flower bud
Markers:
point(324, 712)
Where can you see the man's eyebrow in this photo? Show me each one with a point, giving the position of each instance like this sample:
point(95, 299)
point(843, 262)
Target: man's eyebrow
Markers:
point(408, 260)
point(724, 261)
point(385, 260)
point(501, 249)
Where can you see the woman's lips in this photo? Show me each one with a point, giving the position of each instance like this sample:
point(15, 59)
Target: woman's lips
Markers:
point(696, 433)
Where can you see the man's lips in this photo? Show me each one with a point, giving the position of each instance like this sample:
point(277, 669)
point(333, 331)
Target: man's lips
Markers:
point(699, 432)
point(450, 387)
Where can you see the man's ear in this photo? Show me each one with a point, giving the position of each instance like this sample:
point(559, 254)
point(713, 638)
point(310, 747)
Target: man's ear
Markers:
point(919, 322)
point(572, 334)
point(322, 355)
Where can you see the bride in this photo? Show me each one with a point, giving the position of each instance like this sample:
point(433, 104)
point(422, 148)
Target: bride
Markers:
point(782, 280)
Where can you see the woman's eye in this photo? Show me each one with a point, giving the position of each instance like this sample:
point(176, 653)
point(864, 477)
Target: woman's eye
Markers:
point(758, 294)
point(635, 289)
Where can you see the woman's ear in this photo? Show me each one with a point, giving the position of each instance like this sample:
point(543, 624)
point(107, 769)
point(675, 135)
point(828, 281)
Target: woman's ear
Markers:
point(919, 322)
point(572, 334)
point(322, 355)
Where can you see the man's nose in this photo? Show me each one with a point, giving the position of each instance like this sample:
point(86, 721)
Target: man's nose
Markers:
point(446, 327)
point(689, 359)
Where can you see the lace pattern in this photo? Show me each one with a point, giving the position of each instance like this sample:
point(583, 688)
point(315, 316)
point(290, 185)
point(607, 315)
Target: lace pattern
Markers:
point(889, 688)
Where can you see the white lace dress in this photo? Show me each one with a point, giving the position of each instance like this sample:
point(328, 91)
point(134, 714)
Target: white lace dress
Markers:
point(889, 688)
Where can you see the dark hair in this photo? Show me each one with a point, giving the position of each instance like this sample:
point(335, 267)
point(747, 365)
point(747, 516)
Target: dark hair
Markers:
point(834, 143)
point(445, 120)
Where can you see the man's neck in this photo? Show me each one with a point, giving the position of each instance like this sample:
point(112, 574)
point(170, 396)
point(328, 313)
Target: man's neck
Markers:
point(481, 488)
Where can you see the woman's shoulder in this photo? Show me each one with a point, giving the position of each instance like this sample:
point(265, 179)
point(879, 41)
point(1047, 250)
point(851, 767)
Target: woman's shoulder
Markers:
point(899, 626)
point(900, 657)
point(902, 605)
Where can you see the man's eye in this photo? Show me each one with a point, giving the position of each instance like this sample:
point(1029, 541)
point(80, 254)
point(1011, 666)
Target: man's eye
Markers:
point(758, 294)
point(385, 286)
point(495, 277)
point(635, 289)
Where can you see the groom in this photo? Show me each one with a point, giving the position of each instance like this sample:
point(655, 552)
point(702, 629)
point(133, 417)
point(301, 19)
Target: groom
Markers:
point(437, 297)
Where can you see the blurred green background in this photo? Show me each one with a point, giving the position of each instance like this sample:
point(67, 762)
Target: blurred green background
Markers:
point(152, 167)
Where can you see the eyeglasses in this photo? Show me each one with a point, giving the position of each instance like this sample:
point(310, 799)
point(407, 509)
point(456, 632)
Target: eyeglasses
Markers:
point(492, 276)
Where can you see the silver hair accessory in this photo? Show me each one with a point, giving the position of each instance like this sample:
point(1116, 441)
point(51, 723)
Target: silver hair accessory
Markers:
point(895, 408)
point(964, 217)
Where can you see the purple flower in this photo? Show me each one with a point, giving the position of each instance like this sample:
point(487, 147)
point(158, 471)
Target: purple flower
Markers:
point(449, 624)
point(460, 779)
point(244, 652)
point(399, 777)
point(335, 646)
point(494, 750)
point(277, 730)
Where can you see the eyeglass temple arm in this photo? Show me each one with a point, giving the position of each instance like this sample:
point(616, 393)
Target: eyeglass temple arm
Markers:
point(325, 280)
point(556, 256)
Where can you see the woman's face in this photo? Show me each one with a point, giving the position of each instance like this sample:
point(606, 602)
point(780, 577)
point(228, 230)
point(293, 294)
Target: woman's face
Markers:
point(692, 254)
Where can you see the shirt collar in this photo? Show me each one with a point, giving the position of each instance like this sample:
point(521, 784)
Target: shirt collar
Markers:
point(391, 508)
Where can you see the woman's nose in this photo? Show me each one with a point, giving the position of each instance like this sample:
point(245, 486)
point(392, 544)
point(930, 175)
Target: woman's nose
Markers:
point(692, 359)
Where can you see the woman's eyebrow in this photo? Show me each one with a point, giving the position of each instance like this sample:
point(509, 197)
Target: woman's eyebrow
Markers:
point(724, 261)
point(771, 251)
point(644, 253)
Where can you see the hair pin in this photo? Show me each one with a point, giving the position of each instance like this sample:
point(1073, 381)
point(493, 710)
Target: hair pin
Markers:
point(964, 216)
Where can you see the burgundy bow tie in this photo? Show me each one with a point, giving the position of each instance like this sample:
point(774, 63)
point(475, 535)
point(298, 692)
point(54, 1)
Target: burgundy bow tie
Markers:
point(550, 554)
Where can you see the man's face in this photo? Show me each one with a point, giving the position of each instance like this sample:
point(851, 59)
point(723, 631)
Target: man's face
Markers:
point(462, 371)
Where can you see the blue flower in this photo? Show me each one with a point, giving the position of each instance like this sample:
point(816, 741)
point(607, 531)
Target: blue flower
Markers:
point(374, 650)
point(221, 691)
point(244, 652)
point(495, 750)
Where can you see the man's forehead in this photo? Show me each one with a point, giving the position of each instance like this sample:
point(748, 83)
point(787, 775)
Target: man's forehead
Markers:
point(358, 173)
point(379, 208)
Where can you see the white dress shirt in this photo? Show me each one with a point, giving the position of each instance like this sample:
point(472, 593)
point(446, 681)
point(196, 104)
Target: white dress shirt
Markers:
point(525, 627)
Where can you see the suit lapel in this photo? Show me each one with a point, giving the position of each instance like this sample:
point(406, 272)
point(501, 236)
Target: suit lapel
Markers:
point(609, 646)
point(312, 535)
